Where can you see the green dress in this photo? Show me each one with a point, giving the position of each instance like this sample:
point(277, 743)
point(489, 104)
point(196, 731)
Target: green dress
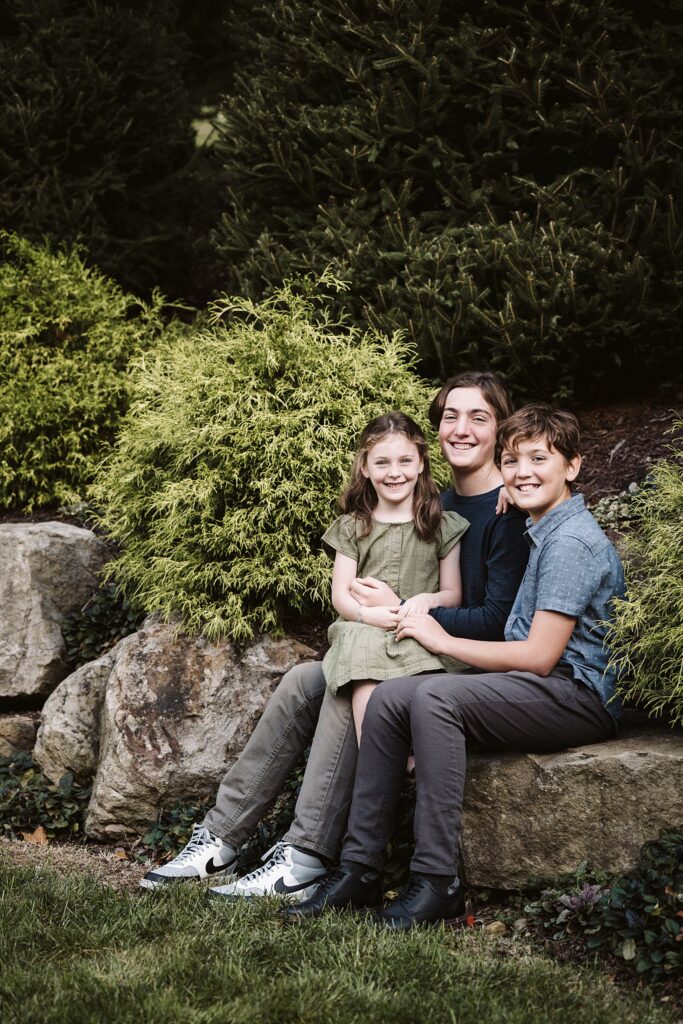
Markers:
point(395, 554)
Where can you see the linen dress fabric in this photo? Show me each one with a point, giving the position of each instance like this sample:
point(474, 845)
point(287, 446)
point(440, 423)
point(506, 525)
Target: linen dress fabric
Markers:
point(395, 554)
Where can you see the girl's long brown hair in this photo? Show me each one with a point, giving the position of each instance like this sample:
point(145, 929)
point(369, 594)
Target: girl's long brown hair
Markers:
point(360, 499)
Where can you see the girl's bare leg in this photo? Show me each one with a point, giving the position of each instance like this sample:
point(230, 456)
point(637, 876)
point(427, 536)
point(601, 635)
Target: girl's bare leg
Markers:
point(359, 702)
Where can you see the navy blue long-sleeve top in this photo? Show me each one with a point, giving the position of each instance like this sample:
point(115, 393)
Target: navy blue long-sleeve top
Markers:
point(493, 557)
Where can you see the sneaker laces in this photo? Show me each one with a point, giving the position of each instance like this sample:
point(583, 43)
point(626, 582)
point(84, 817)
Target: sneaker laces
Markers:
point(276, 855)
point(413, 887)
point(330, 880)
point(200, 838)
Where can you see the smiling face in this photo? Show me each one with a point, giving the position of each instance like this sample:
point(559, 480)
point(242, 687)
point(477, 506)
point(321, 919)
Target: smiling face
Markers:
point(467, 433)
point(393, 466)
point(537, 476)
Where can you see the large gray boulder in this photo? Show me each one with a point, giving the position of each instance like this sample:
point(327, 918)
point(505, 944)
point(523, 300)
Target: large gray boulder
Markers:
point(531, 817)
point(49, 570)
point(69, 736)
point(159, 723)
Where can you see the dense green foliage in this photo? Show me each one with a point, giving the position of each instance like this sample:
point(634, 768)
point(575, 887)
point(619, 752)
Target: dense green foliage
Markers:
point(174, 957)
point(172, 830)
point(106, 618)
point(637, 918)
point(503, 182)
point(96, 139)
point(647, 634)
point(29, 800)
point(66, 336)
point(237, 444)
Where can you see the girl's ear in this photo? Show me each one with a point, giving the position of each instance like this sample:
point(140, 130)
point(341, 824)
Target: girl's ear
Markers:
point(364, 468)
point(422, 465)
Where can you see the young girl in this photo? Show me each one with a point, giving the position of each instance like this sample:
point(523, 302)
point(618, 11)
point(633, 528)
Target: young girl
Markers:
point(394, 530)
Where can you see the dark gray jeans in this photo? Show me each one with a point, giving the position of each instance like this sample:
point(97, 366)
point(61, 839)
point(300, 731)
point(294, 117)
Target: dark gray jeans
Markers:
point(301, 712)
point(443, 716)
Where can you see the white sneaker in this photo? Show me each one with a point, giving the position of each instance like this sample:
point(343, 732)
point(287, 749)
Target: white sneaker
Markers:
point(204, 855)
point(287, 872)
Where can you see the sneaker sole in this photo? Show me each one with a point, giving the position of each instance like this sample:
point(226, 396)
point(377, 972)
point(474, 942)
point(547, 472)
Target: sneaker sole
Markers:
point(288, 897)
point(164, 883)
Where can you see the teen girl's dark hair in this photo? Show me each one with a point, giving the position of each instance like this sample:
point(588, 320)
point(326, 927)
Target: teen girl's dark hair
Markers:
point(491, 386)
point(360, 499)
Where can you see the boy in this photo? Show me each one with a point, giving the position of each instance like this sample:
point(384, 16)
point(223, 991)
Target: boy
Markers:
point(546, 687)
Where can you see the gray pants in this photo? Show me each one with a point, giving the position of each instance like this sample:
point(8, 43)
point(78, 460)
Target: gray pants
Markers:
point(301, 712)
point(443, 716)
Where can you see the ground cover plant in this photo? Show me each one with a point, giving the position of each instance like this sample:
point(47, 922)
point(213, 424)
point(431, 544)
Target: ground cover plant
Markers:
point(175, 956)
point(228, 467)
point(94, 629)
point(30, 802)
point(501, 181)
point(647, 635)
point(64, 353)
point(636, 920)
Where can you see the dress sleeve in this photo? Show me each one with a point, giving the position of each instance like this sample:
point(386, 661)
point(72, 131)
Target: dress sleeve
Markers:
point(451, 530)
point(341, 536)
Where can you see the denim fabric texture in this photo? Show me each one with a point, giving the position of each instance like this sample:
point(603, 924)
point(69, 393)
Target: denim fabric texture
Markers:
point(573, 569)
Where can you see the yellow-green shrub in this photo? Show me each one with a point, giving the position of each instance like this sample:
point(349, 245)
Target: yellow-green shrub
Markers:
point(232, 456)
point(647, 635)
point(66, 337)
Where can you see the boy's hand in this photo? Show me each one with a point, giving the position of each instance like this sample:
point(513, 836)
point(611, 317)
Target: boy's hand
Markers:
point(425, 630)
point(371, 593)
point(382, 618)
point(419, 604)
point(504, 501)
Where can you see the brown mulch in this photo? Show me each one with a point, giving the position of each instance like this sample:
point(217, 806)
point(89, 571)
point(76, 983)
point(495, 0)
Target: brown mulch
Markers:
point(621, 443)
point(109, 864)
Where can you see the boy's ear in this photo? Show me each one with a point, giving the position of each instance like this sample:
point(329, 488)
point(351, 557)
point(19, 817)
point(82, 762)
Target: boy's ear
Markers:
point(573, 467)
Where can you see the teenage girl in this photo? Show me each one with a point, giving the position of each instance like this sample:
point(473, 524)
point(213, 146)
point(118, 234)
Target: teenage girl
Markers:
point(394, 530)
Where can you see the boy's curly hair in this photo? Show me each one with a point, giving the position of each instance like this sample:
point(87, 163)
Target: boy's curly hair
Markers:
point(556, 426)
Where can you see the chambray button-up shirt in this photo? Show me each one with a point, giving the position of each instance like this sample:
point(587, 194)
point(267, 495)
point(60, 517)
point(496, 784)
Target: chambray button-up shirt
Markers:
point(572, 569)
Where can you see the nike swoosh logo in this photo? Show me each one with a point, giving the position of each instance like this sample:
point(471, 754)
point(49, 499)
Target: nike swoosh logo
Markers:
point(213, 869)
point(281, 888)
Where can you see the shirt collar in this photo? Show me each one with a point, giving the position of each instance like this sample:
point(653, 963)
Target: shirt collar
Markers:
point(537, 532)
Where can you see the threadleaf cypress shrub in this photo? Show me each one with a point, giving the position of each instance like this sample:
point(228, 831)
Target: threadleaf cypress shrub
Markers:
point(66, 336)
point(229, 464)
point(405, 143)
point(647, 633)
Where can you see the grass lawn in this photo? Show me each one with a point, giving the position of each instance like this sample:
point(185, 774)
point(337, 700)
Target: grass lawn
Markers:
point(73, 950)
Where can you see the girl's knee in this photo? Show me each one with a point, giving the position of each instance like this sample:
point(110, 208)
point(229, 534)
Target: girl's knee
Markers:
point(390, 697)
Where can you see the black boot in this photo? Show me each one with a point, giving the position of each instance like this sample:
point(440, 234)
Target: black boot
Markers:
point(343, 889)
point(421, 903)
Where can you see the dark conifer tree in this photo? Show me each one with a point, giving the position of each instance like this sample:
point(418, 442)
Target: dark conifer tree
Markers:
point(96, 138)
point(501, 181)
